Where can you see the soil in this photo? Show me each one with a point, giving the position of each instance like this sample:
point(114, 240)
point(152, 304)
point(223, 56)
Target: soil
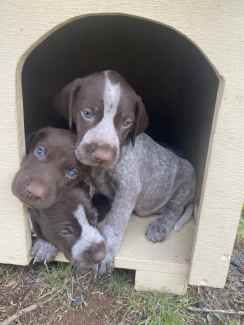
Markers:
point(82, 301)
point(79, 302)
point(99, 312)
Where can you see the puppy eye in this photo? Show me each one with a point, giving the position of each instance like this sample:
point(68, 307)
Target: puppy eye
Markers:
point(72, 173)
point(127, 123)
point(40, 152)
point(87, 114)
point(67, 231)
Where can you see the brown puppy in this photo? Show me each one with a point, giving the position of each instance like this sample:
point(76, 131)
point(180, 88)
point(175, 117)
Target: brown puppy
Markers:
point(61, 211)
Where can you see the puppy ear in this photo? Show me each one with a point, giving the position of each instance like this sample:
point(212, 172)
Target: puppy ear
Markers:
point(141, 120)
point(64, 100)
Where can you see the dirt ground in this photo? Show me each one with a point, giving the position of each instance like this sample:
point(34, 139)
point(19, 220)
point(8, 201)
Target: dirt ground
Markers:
point(57, 295)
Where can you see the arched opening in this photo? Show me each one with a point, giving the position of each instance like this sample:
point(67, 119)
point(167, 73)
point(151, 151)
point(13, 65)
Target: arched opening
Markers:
point(176, 81)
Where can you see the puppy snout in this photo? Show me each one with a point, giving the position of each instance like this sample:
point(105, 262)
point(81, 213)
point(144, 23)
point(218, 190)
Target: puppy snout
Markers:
point(104, 155)
point(36, 190)
point(96, 154)
point(101, 153)
point(96, 252)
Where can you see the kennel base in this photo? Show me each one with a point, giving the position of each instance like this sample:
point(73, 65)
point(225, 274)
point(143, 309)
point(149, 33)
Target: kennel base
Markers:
point(162, 267)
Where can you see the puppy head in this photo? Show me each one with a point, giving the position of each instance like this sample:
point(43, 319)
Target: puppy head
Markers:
point(89, 248)
point(48, 169)
point(79, 239)
point(107, 113)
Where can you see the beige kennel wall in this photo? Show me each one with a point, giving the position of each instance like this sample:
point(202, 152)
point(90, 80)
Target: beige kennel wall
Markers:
point(217, 27)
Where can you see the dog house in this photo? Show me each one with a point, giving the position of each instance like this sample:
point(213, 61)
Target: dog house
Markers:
point(185, 58)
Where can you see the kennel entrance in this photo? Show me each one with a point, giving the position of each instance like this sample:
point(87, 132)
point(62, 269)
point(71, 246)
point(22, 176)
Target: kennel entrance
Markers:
point(179, 87)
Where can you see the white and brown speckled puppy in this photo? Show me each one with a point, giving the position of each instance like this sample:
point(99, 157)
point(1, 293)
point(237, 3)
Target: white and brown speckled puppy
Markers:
point(110, 119)
point(62, 213)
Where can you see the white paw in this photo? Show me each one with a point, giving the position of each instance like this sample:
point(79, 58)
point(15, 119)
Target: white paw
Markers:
point(113, 243)
point(106, 266)
point(42, 251)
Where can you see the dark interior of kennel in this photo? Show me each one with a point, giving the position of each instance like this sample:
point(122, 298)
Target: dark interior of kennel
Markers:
point(175, 80)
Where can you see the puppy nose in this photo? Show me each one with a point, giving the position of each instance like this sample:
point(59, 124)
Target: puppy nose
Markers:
point(97, 252)
point(36, 190)
point(104, 155)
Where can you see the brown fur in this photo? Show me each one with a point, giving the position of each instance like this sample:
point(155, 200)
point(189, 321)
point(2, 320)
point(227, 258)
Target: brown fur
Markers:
point(52, 213)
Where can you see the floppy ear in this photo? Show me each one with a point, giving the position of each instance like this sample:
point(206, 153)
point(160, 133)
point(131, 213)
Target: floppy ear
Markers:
point(141, 121)
point(64, 100)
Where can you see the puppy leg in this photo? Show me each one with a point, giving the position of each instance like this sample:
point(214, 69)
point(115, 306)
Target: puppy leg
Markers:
point(42, 251)
point(115, 224)
point(160, 228)
point(173, 215)
point(187, 215)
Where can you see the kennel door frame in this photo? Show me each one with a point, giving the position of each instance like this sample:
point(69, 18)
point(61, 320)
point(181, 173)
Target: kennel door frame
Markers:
point(219, 210)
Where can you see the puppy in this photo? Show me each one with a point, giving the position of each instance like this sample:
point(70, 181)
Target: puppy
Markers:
point(62, 213)
point(110, 119)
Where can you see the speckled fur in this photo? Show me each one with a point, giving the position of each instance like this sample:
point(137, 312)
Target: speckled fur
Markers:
point(151, 180)
point(148, 179)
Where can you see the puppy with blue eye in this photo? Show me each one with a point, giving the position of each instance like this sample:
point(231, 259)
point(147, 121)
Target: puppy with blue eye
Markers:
point(62, 213)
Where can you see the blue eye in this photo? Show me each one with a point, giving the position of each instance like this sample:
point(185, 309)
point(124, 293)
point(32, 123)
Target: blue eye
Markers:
point(72, 173)
point(87, 114)
point(40, 152)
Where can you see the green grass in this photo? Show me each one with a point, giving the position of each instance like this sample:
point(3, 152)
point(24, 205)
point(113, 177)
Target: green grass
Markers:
point(56, 275)
point(147, 308)
point(157, 309)
point(234, 322)
point(142, 308)
point(240, 234)
point(59, 282)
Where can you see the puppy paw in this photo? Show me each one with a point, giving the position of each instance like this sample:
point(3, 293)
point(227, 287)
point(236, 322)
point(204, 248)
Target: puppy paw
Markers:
point(106, 266)
point(157, 232)
point(42, 251)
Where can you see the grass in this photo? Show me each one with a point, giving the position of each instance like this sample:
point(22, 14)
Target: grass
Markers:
point(56, 275)
point(132, 307)
point(123, 305)
point(146, 308)
point(240, 234)
point(150, 308)
point(138, 308)
point(157, 309)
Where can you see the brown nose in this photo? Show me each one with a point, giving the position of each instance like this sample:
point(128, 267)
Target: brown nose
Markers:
point(97, 252)
point(104, 155)
point(37, 190)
